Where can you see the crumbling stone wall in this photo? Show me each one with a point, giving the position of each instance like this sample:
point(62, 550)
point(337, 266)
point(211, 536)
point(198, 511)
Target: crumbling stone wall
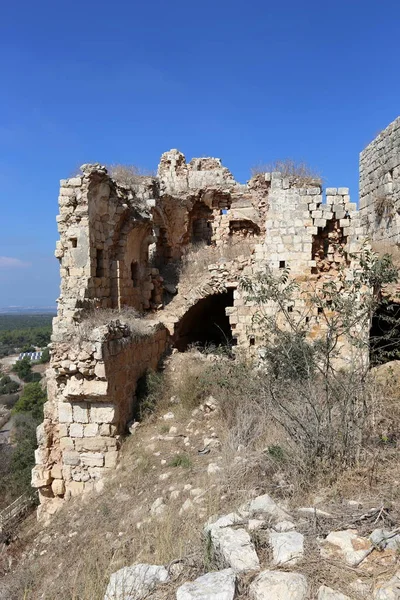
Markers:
point(380, 186)
point(91, 388)
point(111, 239)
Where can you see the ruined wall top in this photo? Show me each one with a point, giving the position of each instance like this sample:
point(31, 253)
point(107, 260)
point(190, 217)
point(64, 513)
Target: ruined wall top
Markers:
point(177, 176)
point(380, 185)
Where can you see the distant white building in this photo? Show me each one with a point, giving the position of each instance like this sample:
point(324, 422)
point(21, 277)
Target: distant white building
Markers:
point(31, 355)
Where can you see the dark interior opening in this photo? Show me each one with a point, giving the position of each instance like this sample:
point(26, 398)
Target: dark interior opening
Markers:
point(135, 273)
point(206, 323)
point(384, 334)
point(99, 263)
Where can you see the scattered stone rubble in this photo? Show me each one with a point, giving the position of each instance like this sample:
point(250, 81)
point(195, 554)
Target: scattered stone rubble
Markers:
point(115, 239)
point(239, 569)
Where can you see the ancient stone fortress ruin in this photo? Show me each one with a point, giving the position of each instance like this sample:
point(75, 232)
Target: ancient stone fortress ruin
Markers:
point(117, 240)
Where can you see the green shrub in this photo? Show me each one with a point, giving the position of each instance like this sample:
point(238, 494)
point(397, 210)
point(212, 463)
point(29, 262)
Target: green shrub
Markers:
point(180, 460)
point(31, 401)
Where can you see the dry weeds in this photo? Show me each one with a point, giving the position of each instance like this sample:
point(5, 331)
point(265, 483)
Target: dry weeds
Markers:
point(299, 173)
point(96, 535)
point(128, 175)
point(100, 317)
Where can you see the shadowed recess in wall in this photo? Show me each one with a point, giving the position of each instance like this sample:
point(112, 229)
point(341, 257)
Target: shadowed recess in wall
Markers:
point(206, 323)
point(385, 334)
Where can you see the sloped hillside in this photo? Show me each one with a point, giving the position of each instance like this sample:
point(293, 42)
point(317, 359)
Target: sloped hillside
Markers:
point(206, 448)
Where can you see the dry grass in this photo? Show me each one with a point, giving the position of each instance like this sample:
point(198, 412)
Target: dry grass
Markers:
point(95, 536)
point(128, 175)
point(383, 207)
point(299, 173)
point(100, 317)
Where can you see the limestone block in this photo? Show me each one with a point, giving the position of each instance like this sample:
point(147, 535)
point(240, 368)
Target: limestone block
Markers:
point(343, 191)
point(111, 459)
point(67, 443)
point(100, 370)
point(41, 456)
point(331, 191)
point(80, 413)
point(75, 488)
point(279, 585)
point(105, 429)
point(135, 582)
point(56, 472)
point(346, 545)
point(65, 412)
point(218, 585)
point(71, 458)
point(58, 487)
point(85, 388)
point(102, 413)
point(92, 429)
point(71, 182)
point(94, 444)
point(41, 476)
point(92, 459)
point(63, 430)
point(287, 547)
point(76, 430)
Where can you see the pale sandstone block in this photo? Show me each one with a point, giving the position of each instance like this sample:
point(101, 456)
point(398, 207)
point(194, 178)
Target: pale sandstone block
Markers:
point(40, 477)
point(92, 429)
point(56, 472)
point(75, 488)
point(92, 459)
point(41, 456)
point(64, 412)
point(76, 430)
point(102, 413)
point(58, 487)
point(80, 413)
point(111, 459)
point(66, 443)
point(71, 458)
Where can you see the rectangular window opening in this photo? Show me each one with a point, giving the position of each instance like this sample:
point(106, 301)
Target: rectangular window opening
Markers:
point(282, 264)
point(252, 340)
point(99, 263)
point(320, 310)
point(74, 242)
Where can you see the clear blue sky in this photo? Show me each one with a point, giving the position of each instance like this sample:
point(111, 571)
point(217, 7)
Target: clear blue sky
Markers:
point(124, 81)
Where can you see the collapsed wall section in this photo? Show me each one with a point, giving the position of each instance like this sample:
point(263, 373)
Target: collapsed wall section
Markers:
point(380, 186)
point(105, 233)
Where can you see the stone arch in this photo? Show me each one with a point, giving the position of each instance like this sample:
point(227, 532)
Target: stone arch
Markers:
point(206, 322)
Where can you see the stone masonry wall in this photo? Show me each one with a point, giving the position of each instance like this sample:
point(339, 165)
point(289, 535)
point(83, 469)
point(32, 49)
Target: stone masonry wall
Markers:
point(91, 398)
point(380, 186)
point(111, 238)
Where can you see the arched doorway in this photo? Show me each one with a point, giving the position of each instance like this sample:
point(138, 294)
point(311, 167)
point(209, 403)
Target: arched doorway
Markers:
point(206, 323)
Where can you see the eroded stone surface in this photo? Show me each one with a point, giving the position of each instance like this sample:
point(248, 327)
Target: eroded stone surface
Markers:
point(346, 545)
point(219, 585)
point(136, 582)
point(278, 585)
